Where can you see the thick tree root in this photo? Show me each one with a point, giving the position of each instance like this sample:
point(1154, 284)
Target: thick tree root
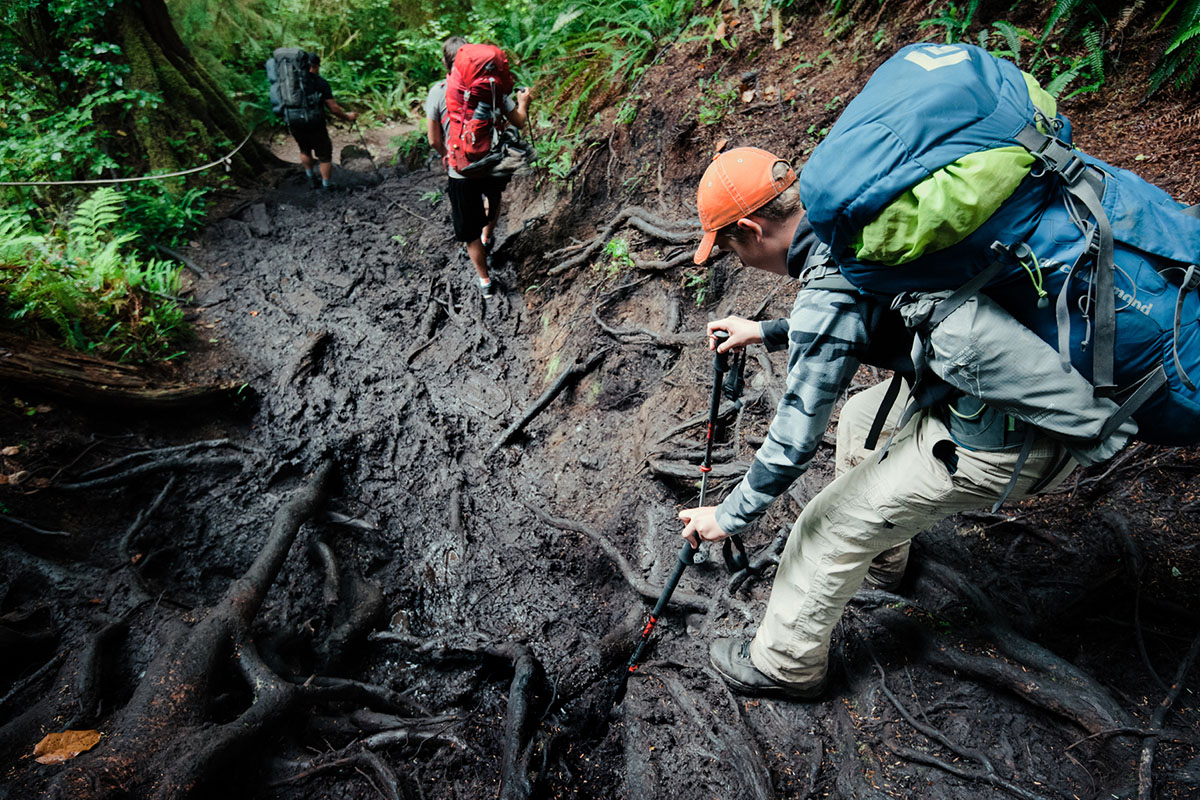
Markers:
point(676, 231)
point(569, 376)
point(684, 600)
point(134, 757)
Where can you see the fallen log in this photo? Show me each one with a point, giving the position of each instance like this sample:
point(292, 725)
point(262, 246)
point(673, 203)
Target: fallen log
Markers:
point(78, 376)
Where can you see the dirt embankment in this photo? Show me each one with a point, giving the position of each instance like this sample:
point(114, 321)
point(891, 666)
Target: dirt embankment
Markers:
point(1027, 653)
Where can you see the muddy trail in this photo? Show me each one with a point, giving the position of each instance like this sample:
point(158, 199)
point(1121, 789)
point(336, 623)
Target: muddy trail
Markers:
point(407, 561)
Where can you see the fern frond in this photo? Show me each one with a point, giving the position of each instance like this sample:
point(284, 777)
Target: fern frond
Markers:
point(1012, 37)
point(95, 214)
point(1181, 39)
point(1095, 52)
point(1061, 81)
point(1062, 9)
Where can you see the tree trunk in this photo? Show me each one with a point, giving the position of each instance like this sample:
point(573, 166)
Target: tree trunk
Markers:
point(193, 112)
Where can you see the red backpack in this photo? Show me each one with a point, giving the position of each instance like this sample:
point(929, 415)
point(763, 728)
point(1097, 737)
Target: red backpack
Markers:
point(475, 91)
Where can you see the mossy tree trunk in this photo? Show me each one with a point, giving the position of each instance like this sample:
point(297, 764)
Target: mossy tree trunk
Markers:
point(195, 116)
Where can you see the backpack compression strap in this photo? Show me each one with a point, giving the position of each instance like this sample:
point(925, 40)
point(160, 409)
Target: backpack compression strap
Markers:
point(1087, 186)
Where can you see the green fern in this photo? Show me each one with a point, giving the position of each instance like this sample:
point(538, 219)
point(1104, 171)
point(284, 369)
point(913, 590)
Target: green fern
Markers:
point(1094, 57)
point(95, 215)
point(1063, 9)
point(1012, 38)
point(1180, 62)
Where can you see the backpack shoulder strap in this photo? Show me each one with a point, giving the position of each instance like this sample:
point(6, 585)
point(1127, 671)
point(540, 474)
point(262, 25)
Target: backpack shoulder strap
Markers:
point(1087, 187)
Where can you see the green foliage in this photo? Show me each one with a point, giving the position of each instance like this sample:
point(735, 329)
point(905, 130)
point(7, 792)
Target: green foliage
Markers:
point(161, 215)
point(411, 148)
point(1180, 62)
point(697, 279)
point(433, 197)
point(1050, 52)
point(955, 19)
point(89, 285)
point(554, 150)
point(716, 100)
point(618, 254)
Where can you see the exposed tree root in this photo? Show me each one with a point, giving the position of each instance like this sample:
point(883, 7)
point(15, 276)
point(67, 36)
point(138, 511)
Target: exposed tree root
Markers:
point(569, 376)
point(676, 231)
point(682, 599)
point(683, 471)
point(158, 465)
point(1145, 771)
point(23, 525)
point(173, 695)
point(516, 781)
point(988, 774)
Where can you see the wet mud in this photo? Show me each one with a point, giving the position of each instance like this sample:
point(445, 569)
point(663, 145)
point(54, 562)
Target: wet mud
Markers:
point(484, 583)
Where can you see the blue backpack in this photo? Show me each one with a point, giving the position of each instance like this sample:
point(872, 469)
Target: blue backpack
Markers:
point(952, 170)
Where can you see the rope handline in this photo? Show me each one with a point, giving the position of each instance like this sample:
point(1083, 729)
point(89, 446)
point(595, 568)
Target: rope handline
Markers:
point(222, 160)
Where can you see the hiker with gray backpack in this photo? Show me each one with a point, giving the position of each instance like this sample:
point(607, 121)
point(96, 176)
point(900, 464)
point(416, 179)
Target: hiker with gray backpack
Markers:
point(300, 96)
point(1037, 306)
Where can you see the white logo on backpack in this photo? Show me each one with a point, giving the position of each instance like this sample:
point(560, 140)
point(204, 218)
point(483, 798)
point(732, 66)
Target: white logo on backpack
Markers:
point(937, 56)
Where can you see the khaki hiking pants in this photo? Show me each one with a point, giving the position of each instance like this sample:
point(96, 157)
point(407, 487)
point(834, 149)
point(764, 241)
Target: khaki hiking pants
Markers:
point(870, 512)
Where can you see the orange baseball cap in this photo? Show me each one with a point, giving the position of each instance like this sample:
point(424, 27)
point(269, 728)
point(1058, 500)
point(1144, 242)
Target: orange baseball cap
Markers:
point(737, 183)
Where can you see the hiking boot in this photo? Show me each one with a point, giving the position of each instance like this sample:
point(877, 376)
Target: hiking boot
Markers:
point(314, 181)
point(883, 582)
point(731, 659)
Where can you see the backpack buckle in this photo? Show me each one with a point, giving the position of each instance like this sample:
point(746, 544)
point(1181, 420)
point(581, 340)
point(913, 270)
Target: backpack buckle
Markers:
point(1059, 158)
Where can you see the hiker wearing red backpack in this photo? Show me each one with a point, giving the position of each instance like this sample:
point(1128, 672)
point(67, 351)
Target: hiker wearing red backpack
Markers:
point(956, 452)
point(466, 116)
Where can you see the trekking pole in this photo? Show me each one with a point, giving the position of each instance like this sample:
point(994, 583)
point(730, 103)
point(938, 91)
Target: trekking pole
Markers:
point(687, 553)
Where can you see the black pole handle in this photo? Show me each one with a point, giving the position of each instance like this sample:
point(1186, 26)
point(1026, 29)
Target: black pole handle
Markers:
point(720, 360)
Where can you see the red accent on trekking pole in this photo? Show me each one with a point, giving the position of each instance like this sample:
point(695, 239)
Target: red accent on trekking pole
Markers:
point(649, 627)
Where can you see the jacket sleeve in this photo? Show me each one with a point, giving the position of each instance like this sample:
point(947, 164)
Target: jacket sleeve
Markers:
point(774, 333)
point(826, 334)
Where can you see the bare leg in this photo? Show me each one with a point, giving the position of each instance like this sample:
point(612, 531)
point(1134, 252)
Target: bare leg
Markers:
point(493, 216)
point(478, 258)
point(326, 170)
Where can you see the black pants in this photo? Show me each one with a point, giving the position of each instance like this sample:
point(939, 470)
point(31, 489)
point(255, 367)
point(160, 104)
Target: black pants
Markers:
point(466, 204)
point(313, 138)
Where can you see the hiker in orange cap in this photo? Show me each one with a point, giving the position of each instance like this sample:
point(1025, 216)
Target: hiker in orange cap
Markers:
point(955, 453)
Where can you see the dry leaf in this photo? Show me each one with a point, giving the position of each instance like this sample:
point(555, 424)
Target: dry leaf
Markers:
point(748, 96)
point(254, 313)
point(721, 145)
point(56, 748)
point(16, 477)
point(135, 558)
point(43, 409)
point(11, 451)
point(719, 33)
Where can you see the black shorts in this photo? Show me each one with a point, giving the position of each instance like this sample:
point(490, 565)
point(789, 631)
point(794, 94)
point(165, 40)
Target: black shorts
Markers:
point(314, 139)
point(466, 204)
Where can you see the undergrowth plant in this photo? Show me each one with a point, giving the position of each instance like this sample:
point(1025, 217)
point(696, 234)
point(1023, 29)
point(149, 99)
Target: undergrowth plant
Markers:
point(88, 284)
point(1180, 62)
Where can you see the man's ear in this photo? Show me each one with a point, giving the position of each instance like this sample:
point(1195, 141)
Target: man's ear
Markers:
point(751, 227)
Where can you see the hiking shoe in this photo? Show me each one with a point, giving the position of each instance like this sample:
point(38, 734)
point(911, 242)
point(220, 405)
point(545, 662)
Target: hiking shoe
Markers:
point(487, 289)
point(883, 583)
point(489, 244)
point(731, 659)
point(314, 182)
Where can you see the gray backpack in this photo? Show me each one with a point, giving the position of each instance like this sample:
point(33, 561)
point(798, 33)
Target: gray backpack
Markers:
point(294, 95)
